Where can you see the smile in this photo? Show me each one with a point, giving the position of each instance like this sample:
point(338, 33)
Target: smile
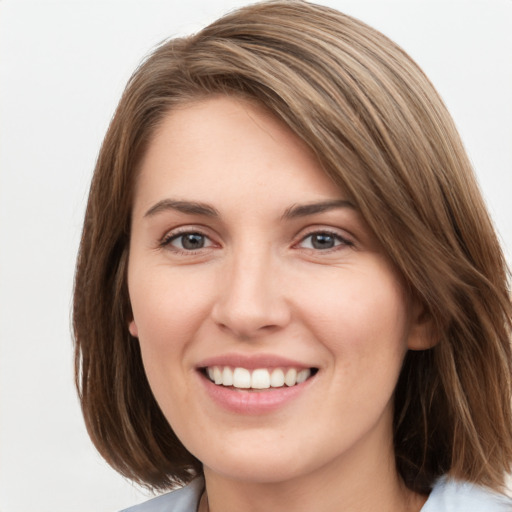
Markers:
point(259, 378)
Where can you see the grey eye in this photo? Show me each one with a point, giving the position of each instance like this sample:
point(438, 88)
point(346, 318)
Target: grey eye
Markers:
point(320, 241)
point(190, 241)
point(323, 240)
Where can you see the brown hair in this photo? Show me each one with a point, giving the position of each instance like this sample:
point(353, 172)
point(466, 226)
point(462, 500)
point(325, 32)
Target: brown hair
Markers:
point(382, 133)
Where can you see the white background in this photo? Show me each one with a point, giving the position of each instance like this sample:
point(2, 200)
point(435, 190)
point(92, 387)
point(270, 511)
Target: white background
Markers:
point(63, 65)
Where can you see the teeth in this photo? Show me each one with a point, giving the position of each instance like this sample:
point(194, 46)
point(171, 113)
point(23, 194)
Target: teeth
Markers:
point(303, 375)
point(290, 378)
point(217, 375)
point(241, 378)
point(277, 378)
point(260, 378)
point(227, 376)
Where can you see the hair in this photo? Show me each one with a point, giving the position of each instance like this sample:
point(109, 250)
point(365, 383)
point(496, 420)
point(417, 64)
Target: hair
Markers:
point(382, 133)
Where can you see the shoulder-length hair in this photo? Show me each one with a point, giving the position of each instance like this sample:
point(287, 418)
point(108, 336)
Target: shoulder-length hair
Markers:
point(380, 130)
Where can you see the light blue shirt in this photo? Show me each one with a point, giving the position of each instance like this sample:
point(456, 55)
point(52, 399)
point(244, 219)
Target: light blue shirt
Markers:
point(453, 496)
point(446, 496)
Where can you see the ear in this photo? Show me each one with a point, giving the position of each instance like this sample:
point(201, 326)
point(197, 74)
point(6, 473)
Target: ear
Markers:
point(422, 335)
point(132, 327)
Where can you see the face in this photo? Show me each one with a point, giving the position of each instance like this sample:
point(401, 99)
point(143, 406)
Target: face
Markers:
point(270, 322)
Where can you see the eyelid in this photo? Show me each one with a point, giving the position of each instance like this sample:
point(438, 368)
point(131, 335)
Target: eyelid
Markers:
point(346, 241)
point(172, 234)
point(165, 241)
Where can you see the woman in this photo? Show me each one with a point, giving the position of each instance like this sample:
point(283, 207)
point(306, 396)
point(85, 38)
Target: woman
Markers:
point(289, 292)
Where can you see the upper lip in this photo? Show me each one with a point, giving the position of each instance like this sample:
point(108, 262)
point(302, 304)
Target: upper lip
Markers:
point(252, 362)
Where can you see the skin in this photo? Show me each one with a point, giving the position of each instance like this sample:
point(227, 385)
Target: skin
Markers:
point(260, 285)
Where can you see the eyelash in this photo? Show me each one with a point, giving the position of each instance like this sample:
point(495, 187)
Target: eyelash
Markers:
point(167, 240)
point(342, 241)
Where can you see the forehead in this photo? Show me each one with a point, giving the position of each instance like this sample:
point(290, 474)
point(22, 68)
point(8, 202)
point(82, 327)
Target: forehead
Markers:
point(223, 146)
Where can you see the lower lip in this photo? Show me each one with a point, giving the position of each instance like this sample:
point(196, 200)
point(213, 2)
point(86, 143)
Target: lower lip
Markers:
point(242, 401)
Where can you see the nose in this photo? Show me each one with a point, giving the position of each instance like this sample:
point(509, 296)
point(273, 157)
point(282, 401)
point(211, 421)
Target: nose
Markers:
point(251, 299)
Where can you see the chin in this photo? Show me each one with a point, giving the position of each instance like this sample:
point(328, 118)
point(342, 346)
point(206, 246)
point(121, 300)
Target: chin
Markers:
point(256, 470)
point(257, 462)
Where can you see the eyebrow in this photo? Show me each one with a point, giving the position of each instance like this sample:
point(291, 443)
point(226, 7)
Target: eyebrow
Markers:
point(189, 207)
point(303, 210)
point(293, 212)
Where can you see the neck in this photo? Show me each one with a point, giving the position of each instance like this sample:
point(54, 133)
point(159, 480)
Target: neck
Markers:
point(259, 499)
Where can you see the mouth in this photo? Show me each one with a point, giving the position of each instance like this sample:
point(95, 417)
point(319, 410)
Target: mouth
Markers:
point(257, 379)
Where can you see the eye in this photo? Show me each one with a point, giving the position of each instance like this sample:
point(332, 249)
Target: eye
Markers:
point(323, 240)
point(189, 241)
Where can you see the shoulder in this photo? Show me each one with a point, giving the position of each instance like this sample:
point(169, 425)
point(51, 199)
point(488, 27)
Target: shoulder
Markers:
point(455, 496)
point(185, 499)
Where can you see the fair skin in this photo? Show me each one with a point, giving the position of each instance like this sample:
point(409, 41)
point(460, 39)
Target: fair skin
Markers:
point(232, 269)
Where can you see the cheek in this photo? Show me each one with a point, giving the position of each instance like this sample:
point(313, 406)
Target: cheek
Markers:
point(165, 327)
point(359, 309)
point(168, 312)
point(363, 321)
point(165, 306)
